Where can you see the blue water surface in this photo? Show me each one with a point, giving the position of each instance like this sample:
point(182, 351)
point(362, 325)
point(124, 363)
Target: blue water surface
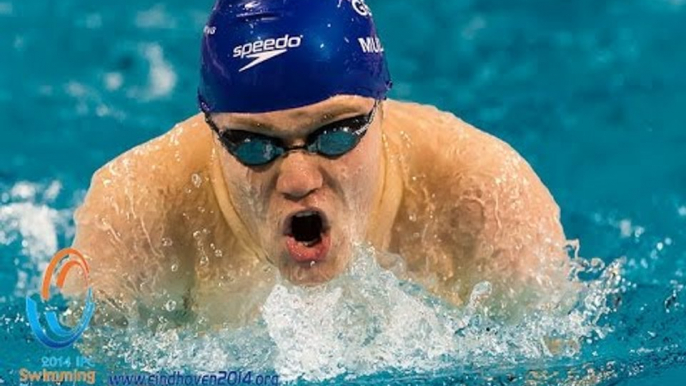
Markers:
point(590, 92)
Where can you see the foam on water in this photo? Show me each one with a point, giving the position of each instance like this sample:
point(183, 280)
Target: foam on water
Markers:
point(28, 221)
point(365, 322)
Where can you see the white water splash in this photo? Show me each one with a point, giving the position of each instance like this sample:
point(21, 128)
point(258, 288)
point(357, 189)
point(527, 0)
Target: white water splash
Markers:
point(27, 218)
point(367, 321)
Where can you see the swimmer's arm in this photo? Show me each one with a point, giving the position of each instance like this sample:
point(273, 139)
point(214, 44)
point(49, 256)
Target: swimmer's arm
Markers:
point(101, 237)
point(120, 229)
point(524, 225)
point(512, 223)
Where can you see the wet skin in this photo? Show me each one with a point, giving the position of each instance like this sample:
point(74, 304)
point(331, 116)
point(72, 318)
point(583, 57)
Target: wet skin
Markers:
point(179, 219)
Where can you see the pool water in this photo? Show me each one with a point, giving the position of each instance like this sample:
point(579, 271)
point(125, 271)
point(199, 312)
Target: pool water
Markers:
point(590, 92)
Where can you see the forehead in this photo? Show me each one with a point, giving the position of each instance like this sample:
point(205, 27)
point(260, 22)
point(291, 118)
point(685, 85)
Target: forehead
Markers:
point(335, 108)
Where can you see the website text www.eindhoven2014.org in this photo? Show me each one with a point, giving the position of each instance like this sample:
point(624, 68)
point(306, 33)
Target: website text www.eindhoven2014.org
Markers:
point(230, 378)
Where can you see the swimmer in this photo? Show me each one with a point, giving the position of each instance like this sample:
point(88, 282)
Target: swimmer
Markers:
point(297, 156)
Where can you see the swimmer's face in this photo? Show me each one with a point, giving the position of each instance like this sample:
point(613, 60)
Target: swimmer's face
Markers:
point(306, 210)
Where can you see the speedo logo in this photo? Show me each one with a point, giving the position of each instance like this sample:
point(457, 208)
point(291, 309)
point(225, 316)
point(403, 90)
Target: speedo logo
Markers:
point(263, 50)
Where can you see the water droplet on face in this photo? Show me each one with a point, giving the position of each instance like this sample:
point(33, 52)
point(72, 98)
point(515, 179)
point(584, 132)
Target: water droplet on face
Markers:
point(174, 267)
point(197, 180)
point(167, 242)
point(413, 217)
point(218, 253)
point(204, 260)
point(170, 306)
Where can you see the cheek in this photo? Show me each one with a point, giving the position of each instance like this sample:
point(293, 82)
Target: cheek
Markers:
point(246, 187)
point(361, 174)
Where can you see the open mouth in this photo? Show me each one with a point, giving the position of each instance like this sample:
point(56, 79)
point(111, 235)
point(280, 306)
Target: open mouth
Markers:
point(307, 236)
point(306, 227)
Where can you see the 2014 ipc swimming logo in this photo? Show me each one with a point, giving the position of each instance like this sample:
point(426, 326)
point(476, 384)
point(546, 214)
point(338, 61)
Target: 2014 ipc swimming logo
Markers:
point(56, 335)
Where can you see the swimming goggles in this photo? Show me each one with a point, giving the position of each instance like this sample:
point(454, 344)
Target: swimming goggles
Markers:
point(331, 141)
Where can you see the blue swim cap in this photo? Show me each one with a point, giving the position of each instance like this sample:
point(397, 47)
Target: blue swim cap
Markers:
point(266, 55)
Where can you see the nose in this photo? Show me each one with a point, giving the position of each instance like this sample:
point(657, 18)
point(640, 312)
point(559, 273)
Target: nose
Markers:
point(299, 175)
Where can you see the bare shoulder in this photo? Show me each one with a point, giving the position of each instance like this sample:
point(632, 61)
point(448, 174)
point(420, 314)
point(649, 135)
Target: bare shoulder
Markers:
point(143, 185)
point(183, 148)
point(133, 223)
point(476, 207)
point(429, 135)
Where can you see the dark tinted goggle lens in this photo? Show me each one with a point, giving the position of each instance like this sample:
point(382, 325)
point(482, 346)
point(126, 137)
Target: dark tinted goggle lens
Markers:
point(261, 151)
point(335, 143)
point(331, 141)
point(257, 151)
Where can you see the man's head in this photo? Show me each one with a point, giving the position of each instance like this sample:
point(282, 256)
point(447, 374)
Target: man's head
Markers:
point(293, 89)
